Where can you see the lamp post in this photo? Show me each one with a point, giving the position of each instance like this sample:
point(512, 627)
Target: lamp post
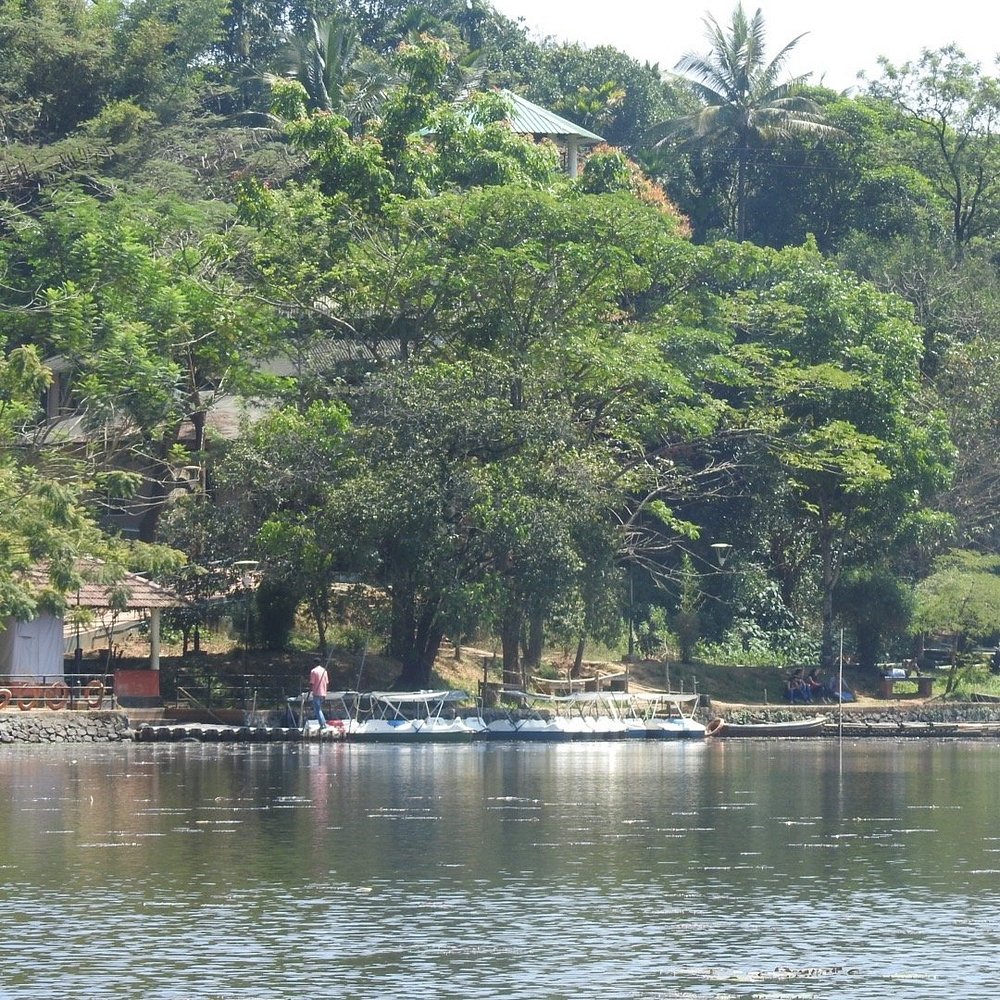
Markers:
point(722, 551)
point(246, 569)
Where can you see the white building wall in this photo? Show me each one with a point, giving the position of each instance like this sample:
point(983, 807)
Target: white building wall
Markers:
point(32, 648)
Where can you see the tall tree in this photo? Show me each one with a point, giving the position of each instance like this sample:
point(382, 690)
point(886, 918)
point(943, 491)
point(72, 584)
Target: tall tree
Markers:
point(745, 102)
point(855, 454)
point(139, 297)
point(326, 57)
point(953, 110)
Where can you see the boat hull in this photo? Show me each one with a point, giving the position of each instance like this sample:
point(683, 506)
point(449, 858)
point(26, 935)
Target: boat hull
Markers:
point(380, 731)
point(680, 729)
point(813, 726)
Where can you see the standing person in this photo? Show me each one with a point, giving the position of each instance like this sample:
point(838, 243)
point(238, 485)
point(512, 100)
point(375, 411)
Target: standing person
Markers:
point(319, 681)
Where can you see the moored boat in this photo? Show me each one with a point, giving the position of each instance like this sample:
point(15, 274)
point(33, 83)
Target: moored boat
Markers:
point(388, 716)
point(667, 715)
point(409, 716)
point(577, 716)
point(604, 715)
point(811, 726)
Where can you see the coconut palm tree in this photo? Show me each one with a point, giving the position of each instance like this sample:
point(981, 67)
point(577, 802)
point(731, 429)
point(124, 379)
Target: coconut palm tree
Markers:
point(743, 101)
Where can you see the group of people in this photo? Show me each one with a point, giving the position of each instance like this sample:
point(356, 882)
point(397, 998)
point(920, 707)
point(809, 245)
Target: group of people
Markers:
point(807, 688)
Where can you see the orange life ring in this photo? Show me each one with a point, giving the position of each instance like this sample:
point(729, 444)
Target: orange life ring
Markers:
point(5, 697)
point(59, 697)
point(25, 701)
point(715, 726)
point(94, 693)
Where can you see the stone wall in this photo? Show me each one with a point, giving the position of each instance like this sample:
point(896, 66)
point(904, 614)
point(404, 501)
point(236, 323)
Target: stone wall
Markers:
point(45, 726)
point(889, 713)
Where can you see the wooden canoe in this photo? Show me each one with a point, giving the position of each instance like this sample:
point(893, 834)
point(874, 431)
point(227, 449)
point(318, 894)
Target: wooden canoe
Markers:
point(811, 726)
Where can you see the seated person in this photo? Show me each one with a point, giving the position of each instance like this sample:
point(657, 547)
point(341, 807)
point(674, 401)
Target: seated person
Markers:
point(817, 691)
point(836, 692)
point(796, 688)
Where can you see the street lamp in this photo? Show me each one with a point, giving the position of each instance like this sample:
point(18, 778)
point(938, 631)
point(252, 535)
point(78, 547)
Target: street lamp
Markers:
point(246, 568)
point(722, 551)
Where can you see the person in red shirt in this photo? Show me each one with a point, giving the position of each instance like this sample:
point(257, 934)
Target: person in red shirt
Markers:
point(319, 680)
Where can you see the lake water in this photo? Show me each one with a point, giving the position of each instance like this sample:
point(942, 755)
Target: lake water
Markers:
point(774, 869)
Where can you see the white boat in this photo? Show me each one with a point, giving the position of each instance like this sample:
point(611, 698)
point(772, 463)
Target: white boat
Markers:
point(603, 715)
point(577, 716)
point(595, 714)
point(338, 709)
point(387, 716)
point(409, 716)
point(666, 715)
point(540, 725)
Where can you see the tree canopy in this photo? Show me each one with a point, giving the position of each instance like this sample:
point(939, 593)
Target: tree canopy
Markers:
point(292, 262)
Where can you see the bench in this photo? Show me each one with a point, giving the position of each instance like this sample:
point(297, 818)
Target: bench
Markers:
point(924, 682)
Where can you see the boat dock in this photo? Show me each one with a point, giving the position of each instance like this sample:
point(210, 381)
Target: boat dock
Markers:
point(206, 732)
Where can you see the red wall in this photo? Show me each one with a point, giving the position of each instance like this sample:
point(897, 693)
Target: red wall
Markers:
point(137, 683)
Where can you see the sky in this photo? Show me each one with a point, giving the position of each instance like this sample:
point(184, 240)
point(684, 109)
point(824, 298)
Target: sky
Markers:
point(843, 37)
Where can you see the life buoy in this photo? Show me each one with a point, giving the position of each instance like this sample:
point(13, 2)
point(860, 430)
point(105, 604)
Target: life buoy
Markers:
point(25, 702)
point(94, 694)
point(715, 726)
point(5, 697)
point(58, 697)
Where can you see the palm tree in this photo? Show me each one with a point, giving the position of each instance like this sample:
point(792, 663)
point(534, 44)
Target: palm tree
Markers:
point(744, 102)
point(337, 72)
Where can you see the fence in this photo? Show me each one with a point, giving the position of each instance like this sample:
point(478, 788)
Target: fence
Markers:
point(187, 688)
point(73, 692)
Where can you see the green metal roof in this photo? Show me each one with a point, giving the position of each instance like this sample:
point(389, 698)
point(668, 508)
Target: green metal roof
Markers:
point(530, 119)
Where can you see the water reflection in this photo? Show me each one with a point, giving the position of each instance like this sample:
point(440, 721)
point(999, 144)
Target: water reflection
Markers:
point(737, 869)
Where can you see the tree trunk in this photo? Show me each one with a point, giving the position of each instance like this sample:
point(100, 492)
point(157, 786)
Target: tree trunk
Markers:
point(536, 640)
point(578, 659)
point(320, 619)
point(417, 665)
point(415, 639)
point(510, 640)
point(741, 193)
point(953, 669)
point(868, 643)
point(402, 624)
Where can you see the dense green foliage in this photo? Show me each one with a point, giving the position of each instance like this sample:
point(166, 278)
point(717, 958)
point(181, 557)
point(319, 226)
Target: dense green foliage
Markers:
point(303, 297)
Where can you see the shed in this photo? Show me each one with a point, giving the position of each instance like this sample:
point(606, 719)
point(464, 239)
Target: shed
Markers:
point(143, 596)
point(32, 648)
point(530, 119)
point(36, 648)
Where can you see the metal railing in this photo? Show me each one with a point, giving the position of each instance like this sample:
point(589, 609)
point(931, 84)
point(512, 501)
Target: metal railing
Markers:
point(91, 691)
point(185, 688)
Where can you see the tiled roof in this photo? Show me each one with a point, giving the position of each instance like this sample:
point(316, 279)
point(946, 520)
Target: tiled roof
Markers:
point(142, 593)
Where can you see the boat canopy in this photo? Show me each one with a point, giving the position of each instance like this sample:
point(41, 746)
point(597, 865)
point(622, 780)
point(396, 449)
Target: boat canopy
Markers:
point(329, 696)
point(418, 697)
point(609, 697)
point(656, 697)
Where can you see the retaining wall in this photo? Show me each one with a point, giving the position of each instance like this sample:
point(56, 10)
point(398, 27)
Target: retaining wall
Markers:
point(892, 713)
point(46, 726)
